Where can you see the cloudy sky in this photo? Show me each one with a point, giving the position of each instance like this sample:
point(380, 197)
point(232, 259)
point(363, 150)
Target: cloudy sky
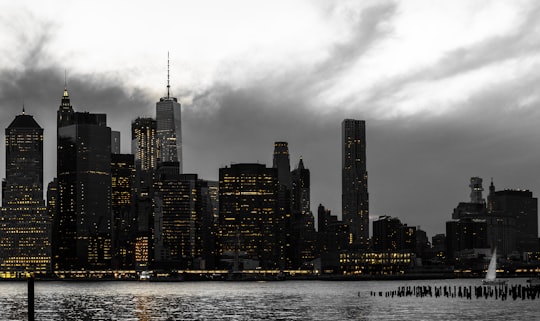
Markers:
point(449, 89)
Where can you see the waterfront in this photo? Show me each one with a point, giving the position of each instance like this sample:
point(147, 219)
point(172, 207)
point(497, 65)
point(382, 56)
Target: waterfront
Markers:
point(280, 300)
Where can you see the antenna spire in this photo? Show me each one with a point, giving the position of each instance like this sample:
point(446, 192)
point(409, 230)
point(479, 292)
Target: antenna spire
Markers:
point(168, 76)
point(23, 112)
point(65, 79)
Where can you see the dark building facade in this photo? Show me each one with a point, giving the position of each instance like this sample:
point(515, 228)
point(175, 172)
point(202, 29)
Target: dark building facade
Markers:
point(248, 217)
point(355, 197)
point(25, 235)
point(124, 220)
point(303, 231)
point(389, 234)
point(144, 147)
point(333, 239)
point(519, 210)
point(83, 220)
point(177, 221)
point(281, 162)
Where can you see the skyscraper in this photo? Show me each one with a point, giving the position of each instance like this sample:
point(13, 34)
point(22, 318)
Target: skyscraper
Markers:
point(124, 219)
point(24, 225)
point(283, 221)
point(145, 148)
point(169, 128)
point(144, 143)
point(248, 215)
point(282, 163)
point(304, 236)
point(83, 220)
point(355, 197)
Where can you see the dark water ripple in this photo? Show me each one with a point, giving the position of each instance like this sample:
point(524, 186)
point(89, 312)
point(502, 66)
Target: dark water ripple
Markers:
point(238, 301)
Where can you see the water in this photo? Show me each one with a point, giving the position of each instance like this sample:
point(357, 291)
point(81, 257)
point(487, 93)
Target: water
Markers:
point(282, 300)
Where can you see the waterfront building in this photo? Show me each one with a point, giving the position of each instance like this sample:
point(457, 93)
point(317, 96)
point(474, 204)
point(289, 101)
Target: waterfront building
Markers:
point(169, 128)
point(438, 245)
point(177, 221)
point(464, 235)
point(281, 163)
point(389, 234)
point(333, 238)
point(145, 150)
point(83, 220)
point(303, 226)
point(375, 263)
point(248, 217)
point(124, 219)
point(24, 225)
point(355, 197)
point(208, 207)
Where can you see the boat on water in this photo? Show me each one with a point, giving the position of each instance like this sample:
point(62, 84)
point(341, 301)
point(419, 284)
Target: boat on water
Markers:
point(145, 276)
point(491, 275)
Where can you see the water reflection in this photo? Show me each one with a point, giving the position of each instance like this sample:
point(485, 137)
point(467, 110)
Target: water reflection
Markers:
point(288, 300)
point(142, 305)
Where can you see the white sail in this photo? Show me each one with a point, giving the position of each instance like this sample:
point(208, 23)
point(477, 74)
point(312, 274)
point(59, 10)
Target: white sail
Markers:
point(492, 269)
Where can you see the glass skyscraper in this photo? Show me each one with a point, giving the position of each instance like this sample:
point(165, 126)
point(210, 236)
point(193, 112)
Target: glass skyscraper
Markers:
point(169, 130)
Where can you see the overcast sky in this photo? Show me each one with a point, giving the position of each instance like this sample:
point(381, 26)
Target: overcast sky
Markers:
point(449, 89)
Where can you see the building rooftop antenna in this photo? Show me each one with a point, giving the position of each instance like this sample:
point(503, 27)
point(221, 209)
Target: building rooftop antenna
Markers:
point(168, 76)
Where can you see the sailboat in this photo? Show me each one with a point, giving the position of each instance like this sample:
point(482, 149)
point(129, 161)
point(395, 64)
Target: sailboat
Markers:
point(491, 275)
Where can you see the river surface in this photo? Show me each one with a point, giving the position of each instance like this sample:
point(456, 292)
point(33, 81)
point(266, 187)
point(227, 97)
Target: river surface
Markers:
point(278, 300)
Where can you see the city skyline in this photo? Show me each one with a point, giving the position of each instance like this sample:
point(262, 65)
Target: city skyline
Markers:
point(432, 122)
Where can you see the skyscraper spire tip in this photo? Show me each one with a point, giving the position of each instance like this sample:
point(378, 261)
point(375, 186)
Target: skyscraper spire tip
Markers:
point(168, 76)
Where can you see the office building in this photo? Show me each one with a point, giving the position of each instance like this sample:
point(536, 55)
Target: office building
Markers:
point(389, 234)
point(248, 218)
point(304, 236)
point(284, 235)
point(355, 197)
point(83, 220)
point(144, 147)
point(124, 219)
point(24, 224)
point(169, 128)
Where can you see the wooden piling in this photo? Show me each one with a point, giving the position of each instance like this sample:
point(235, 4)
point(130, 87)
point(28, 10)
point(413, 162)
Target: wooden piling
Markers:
point(31, 316)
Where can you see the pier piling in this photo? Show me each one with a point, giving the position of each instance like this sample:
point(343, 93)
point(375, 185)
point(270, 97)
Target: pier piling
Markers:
point(30, 281)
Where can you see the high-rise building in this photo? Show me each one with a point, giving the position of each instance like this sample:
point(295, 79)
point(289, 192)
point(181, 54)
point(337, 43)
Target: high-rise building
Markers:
point(519, 210)
point(169, 128)
point(144, 143)
point(355, 197)
point(284, 221)
point(83, 220)
point(248, 217)
point(175, 217)
point(333, 238)
point(144, 147)
point(282, 163)
point(303, 233)
point(24, 225)
point(124, 219)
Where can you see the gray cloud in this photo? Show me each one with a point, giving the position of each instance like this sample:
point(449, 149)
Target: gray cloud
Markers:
point(419, 166)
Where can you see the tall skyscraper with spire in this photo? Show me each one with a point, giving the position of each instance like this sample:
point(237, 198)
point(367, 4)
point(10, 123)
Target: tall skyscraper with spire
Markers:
point(169, 128)
point(355, 198)
point(24, 225)
point(82, 224)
